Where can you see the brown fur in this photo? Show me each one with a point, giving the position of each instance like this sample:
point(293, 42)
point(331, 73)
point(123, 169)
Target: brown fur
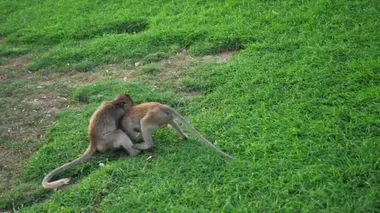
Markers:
point(103, 133)
point(147, 116)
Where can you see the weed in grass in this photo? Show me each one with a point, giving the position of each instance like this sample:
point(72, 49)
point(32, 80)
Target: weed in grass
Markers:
point(116, 27)
point(9, 51)
point(191, 85)
point(155, 57)
point(152, 68)
point(84, 66)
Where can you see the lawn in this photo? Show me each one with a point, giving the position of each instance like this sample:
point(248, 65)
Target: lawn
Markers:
point(297, 104)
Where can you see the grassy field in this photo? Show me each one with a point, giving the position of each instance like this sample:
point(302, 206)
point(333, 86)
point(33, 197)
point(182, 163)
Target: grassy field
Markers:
point(298, 104)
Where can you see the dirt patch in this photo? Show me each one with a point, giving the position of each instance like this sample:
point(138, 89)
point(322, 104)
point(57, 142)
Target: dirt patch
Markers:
point(11, 160)
point(49, 102)
point(171, 71)
point(75, 79)
point(9, 165)
point(173, 68)
point(174, 65)
point(21, 61)
point(26, 110)
point(29, 106)
point(220, 58)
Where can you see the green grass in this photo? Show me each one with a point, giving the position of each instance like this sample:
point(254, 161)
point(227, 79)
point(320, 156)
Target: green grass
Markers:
point(152, 68)
point(298, 106)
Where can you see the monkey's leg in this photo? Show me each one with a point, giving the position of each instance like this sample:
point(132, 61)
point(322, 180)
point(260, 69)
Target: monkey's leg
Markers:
point(121, 139)
point(176, 127)
point(134, 136)
point(147, 136)
point(151, 120)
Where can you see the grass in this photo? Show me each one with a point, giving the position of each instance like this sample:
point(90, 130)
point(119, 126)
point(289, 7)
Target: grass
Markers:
point(298, 105)
point(152, 68)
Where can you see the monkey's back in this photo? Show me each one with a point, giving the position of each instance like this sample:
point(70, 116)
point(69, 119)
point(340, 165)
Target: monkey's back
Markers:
point(102, 121)
point(137, 112)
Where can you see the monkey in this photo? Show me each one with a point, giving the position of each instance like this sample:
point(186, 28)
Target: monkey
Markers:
point(104, 134)
point(152, 115)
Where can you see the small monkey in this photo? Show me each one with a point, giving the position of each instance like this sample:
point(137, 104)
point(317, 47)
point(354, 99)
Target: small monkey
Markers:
point(147, 116)
point(104, 134)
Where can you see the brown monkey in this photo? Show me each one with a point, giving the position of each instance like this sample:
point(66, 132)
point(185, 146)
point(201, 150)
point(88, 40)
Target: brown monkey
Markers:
point(147, 116)
point(104, 134)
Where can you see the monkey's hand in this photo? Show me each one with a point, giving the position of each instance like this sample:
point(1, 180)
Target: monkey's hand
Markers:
point(139, 138)
point(134, 152)
point(142, 146)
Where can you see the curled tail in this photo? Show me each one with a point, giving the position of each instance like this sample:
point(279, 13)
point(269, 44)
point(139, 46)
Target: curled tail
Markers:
point(192, 129)
point(58, 183)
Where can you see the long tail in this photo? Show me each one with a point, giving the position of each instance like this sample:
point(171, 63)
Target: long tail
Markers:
point(190, 127)
point(58, 183)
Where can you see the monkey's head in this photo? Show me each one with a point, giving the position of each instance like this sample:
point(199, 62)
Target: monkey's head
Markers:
point(124, 101)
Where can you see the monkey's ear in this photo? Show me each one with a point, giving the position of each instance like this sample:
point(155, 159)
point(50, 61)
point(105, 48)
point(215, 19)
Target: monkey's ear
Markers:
point(130, 99)
point(128, 96)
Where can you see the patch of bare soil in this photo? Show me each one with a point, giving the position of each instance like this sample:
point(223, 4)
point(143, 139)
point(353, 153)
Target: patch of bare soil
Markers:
point(27, 108)
point(220, 58)
point(8, 161)
point(172, 69)
point(21, 61)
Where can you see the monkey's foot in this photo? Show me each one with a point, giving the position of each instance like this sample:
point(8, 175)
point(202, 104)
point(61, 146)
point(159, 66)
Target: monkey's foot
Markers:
point(134, 152)
point(142, 146)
